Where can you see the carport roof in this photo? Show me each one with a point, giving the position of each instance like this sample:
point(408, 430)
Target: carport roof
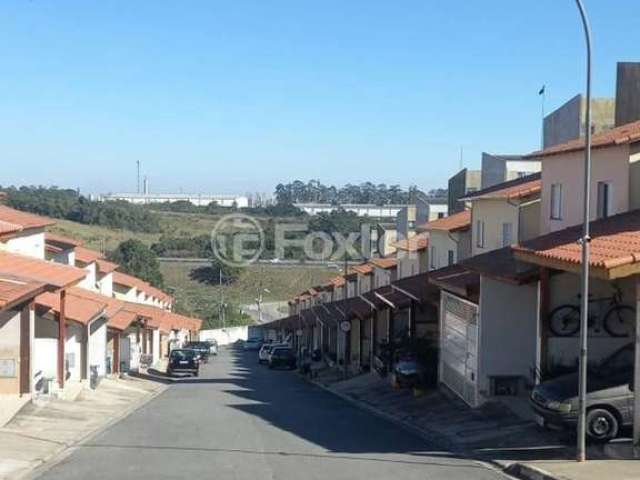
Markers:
point(77, 309)
point(16, 290)
point(502, 265)
point(457, 279)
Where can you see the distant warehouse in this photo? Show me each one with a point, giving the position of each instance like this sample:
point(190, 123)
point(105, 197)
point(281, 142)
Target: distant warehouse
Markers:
point(360, 209)
point(199, 199)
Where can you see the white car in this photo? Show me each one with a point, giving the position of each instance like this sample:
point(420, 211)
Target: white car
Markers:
point(252, 344)
point(265, 351)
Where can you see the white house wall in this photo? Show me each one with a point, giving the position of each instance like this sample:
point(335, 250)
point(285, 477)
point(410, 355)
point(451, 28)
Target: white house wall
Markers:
point(26, 243)
point(106, 284)
point(508, 331)
point(10, 350)
point(89, 281)
point(98, 346)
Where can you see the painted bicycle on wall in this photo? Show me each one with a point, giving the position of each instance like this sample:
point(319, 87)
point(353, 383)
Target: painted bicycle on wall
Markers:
point(614, 317)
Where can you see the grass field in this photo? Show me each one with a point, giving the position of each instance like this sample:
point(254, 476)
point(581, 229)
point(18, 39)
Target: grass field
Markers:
point(202, 300)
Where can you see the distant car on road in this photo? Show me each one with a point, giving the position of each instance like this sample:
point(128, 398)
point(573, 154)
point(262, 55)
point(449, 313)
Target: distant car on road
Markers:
point(252, 344)
point(609, 397)
point(183, 360)
point(266, 349)
point(202, 349)
point(213, 347)
point(282, 357)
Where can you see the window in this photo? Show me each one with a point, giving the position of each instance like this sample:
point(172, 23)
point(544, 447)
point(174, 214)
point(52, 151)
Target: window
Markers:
point(440, 214)
point(451, 257)
point(507, 234)
point(480, 234)
point(604, 199)
point(556, 201)
point(432, 260)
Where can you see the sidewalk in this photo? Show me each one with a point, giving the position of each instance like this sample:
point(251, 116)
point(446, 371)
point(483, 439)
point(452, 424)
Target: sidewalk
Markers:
point(41, 431)
point(491, 433)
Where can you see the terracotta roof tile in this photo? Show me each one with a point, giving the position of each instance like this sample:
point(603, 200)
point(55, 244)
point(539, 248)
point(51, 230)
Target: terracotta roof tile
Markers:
point(363, 269)
point(24, 219)
point(122, 319)
point(453, 223)
point(67, 243)
point(78, 309)
point(52, 274)
point(8, 227)
point(416, 243)
point(15, 290)
point(86, 255)
point(511, 190)
point(384, 263)
point(615, 241)
point(629, 133)
point(104, 266)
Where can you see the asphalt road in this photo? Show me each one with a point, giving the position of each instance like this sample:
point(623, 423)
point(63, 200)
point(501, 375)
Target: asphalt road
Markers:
point(243, 421)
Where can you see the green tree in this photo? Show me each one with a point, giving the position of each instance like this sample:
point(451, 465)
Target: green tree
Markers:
point(135, 258)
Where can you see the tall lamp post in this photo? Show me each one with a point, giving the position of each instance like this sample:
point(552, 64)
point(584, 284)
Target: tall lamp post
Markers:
point(585, 240)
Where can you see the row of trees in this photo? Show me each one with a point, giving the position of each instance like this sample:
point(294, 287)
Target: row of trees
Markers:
point(70, 205)
point(314, 191)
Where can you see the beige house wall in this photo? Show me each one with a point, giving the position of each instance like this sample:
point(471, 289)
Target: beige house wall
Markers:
point(10, 350)
point(494, 213)
point(439, 245)
point(609, 164)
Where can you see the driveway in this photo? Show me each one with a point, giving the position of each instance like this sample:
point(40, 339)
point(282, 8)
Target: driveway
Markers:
point(240, 420)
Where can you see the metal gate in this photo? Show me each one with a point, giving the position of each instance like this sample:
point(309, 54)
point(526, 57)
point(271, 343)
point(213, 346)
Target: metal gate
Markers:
point(459, 347)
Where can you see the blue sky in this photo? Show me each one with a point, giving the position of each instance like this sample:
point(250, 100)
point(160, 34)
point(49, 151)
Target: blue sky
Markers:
point(239, 95)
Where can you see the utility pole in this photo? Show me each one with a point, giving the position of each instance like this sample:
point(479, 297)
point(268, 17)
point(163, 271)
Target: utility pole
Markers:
point(585, 241)
point(222, 301)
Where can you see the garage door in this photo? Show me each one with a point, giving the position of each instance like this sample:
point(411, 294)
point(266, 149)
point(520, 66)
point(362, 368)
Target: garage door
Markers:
point(459, 347)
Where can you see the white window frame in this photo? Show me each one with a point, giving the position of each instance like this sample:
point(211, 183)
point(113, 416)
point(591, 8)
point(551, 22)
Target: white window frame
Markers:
point(556, 203)
point(479, 233)
point(506, 242)
point(608, 200)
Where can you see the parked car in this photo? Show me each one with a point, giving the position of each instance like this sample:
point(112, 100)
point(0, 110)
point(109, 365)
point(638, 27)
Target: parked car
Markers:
point(409, 373)
point(609, 397)
point(213, 347)
point(282, 357)
point(183, 360)
point(266, 349)
point(252, 344)
point(202, 349)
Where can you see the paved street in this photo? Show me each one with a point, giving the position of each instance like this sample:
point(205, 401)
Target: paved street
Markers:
point(243, 421)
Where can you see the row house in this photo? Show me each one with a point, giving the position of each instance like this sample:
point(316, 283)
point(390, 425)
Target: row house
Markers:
point(60, 323)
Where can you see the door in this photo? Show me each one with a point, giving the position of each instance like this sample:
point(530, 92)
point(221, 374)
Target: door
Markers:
point(459, 347)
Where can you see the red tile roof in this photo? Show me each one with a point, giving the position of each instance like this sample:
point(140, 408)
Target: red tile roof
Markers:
point(511, 190)
point(78, 309)
point(615, 242)
point(122, 319)
point(416, 243)
point(86, 255)
point(52, 274)
point(384, 263)
point(104, 266)
point(23, 219)
point(624, 134)
point(453, 223)
point(363, 269)
point(7, 228)
point(134, 282)
point(60, 240)
point(16, 290)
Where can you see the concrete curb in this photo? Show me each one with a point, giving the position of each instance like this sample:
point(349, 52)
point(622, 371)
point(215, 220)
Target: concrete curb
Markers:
point(527, 472)
point(49, 461)
point(515, 470)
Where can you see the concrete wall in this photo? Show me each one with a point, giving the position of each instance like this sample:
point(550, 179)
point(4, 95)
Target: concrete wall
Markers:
point(29, 243)
point(460, 184)
point(105, 284)
point(609, 164)
point(508, 333)
point(627, 92)
point(225, 336)
point(10, 351)
point(568, 121)
point(124, 293)
point(97, 349)
point(89, 282)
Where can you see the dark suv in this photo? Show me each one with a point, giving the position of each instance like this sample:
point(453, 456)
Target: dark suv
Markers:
point(182, 360)
point(609, 397)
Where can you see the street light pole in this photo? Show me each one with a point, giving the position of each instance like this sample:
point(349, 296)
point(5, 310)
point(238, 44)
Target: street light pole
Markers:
point(585, 240)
